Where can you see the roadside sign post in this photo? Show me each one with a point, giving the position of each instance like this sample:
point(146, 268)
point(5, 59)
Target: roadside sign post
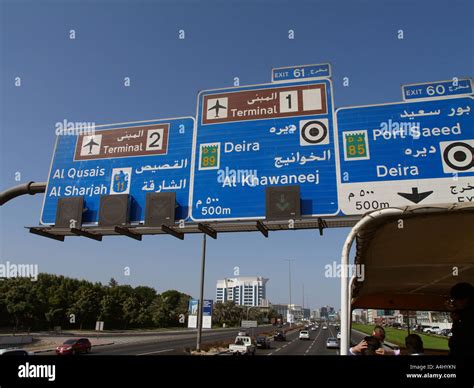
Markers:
point(99, 326)
point(252, 137)
point(201, 294)
point(406, 153)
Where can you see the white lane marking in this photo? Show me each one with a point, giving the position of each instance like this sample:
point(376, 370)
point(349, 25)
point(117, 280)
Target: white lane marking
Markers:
point(332, 334)
point(277, 350)
point(157, 351)
point(319, 332)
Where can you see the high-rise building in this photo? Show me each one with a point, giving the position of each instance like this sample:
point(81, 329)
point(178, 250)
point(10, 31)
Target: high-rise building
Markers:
point(324, 312)
point(244, 291)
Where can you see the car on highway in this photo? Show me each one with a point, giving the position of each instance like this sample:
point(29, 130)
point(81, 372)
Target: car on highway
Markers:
point(314, 328)
point(338, 335)
point(262, 342)
point(279, 336)
point(74, 346)
point(243, 333)
point(15, 352)
point(332, 343)
point(325, 327)
point(304, 335)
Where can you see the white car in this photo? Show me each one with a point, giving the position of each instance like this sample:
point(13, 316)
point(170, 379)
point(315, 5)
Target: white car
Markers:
point(432, 330)
point(325, 327)
point(304, 334)
point(338, 335)
point(332, 343)
point(15, 352)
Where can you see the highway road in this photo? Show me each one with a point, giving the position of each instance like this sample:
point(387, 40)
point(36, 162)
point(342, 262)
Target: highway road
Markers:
point(293, 346)
point(169, 344)
point(176, 344)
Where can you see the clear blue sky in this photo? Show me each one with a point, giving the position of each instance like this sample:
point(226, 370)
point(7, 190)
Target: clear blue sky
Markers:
point(82, 80)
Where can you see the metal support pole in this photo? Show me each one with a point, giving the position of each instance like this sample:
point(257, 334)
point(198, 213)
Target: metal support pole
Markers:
point(201, 294)
point(30, 188)
point(345, 289)
point(303, 300)
point(289, 289)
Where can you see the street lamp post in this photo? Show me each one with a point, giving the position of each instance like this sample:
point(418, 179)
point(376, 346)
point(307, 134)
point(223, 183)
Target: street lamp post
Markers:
point(289, 289)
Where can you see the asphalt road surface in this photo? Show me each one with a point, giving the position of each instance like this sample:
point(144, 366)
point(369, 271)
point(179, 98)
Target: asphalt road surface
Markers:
point(169, 344)
point(315, 346)
point(176, 344)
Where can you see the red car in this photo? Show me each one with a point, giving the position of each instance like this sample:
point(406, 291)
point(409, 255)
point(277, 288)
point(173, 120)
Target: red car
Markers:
point(73, 346)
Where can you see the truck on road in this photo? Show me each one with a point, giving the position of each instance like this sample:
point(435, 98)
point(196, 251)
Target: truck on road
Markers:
point(242, 346)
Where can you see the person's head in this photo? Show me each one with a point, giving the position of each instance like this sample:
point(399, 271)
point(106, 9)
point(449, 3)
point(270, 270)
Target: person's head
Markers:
point(379, 332)
point(414, 344)
point(461, 297)
point(373, 343)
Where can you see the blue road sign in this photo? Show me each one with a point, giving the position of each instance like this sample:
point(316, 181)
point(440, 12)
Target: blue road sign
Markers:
point(406, 153)
point(193, 307)
point(429, 90)
point(207, 308)
point(132, 158)
point(301, 72)
point(251, 137)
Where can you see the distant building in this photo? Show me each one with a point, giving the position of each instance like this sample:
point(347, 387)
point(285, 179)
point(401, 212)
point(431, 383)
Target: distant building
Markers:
point(323, 312)
point(378, 317)
point(432, 317)
point(243, 291)
point(297, 311)
point(359, 316)
point(282, 310)
point(316, 314)
point(328, 312)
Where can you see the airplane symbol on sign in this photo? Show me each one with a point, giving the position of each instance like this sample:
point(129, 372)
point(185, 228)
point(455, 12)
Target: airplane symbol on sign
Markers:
point(91, 144)
point(217, 107)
